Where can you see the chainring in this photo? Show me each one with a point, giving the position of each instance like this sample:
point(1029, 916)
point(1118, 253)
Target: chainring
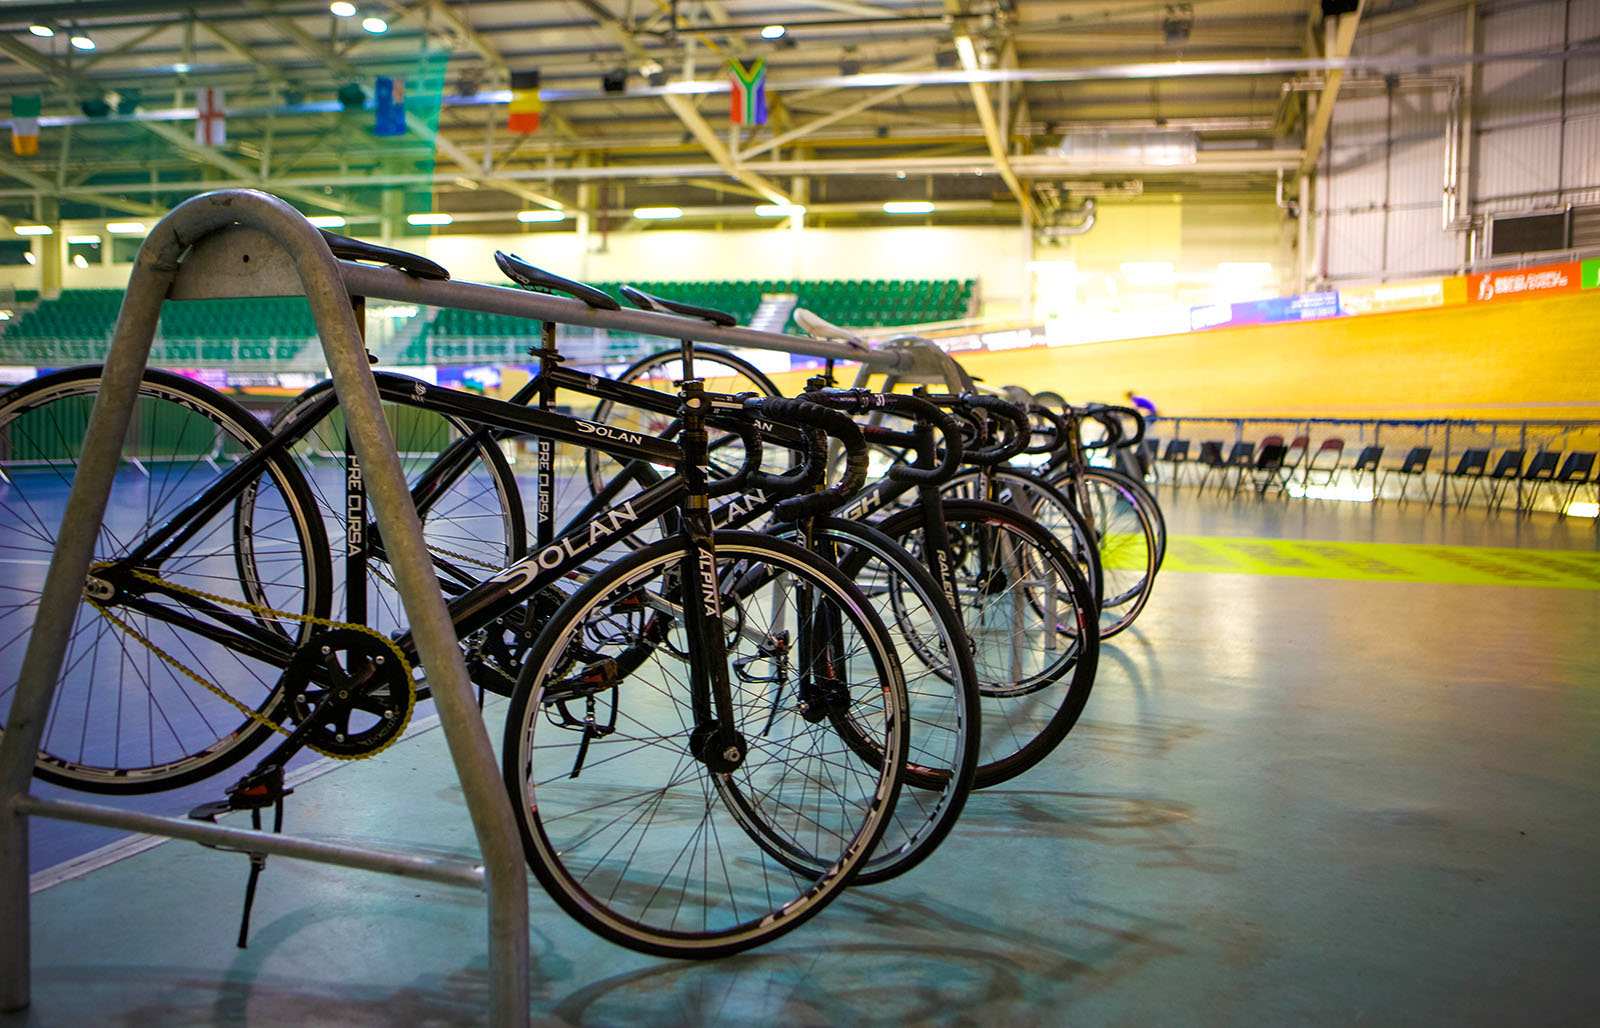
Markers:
point(352, 689)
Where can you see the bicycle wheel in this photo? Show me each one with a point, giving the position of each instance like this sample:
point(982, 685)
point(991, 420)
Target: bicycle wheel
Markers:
point(1034, 497)
point(941, 684)
point(637, 838)
point(1029, 619)
point(472, 516)
point(1127, 543)
point(1151, 506)
point(123, 720)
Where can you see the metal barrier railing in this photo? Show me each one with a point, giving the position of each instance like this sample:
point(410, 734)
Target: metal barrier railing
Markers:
point(1447, 439)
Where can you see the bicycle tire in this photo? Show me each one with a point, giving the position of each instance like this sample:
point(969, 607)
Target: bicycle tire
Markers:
point(941, 685)
point(1036, 660)
point(122, 721)
point(1125, 536)
point(632, 835)
point(1033, 496)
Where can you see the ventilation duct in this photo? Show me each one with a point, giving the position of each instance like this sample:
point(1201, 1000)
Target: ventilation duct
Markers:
point(1156, 148)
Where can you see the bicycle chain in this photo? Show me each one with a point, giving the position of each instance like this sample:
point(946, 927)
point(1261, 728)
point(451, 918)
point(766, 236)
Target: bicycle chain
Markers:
point(222, 694)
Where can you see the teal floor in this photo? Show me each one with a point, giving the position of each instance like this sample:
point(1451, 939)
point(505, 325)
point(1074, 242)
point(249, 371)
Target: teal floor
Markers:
point(1290, 801)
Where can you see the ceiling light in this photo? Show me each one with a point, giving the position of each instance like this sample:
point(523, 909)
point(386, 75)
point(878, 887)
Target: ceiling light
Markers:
point(529, 216)
point(79, 261)
point(375, 25)
point(772, 32)
point(33, 230)
point(908, 207)
point(42, 31)
point(182, 67)
point(1582, 509)
point(84, 239)
point(343, 9)
point(657, 213)
point(428, 219)
point(82, 43)
point(1148, 273)
point(779, 210)
point(126, 228)
point(328, 221)
point(30, 258)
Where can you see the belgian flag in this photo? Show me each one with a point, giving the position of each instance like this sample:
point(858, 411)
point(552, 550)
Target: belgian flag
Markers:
point(525, 102)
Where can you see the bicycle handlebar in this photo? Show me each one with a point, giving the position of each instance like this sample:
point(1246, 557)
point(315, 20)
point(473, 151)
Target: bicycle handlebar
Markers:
point(828, 422)
point(862, 401)
point(1011, 442)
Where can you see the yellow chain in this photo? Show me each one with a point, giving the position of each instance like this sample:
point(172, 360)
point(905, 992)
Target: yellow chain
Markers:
point(220, 693)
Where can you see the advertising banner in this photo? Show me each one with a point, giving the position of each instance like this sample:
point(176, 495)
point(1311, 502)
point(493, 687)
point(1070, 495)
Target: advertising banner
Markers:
point(1522, 283)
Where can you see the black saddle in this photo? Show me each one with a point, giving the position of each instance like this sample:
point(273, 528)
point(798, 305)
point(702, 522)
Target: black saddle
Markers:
point(645, 301)
point(530, 277)
point(349, 249)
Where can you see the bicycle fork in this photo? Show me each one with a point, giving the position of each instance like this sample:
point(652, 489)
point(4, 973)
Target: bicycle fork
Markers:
point(715, 739)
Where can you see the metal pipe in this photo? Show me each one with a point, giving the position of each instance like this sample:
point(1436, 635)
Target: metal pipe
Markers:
point(405, 865)
point(319, 273)
point(391, 284)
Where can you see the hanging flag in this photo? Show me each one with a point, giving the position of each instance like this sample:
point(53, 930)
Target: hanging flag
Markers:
point(390, 95)
point(211, 126)
point(25, 125)
point(749, 93)
point(525, 102)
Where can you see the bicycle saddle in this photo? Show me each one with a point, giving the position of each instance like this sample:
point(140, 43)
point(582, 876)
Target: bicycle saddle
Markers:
point(645, 301)
point(416, 266)
point(818, 328)
point(530, 277)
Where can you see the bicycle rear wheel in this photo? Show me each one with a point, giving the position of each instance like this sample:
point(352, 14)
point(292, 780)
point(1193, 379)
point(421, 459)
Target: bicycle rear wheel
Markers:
point(637, 838)
point(1126, 537)
point(1029, 617)
point(941, 684)
point(122, 719)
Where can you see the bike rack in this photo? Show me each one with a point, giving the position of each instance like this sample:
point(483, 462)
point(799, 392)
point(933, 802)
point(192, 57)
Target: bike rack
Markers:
point(239, 242)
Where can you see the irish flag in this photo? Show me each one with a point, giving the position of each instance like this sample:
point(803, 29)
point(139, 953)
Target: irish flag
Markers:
point(25, 125)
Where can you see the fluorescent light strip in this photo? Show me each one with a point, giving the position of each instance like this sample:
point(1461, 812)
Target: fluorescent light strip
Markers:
point(428, 219)
point(908, 207)
point(83, 239)
point(126, 228)
point(779, 210)
point(657, 213)
point(328, 221)
point(33, 230)
point(527, 217)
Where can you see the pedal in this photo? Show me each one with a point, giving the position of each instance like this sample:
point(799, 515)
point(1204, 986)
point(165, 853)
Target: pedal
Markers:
point(257, 790)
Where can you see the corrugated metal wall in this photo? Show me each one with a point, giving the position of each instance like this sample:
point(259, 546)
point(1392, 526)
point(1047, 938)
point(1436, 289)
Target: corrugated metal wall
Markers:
point(1535, 141)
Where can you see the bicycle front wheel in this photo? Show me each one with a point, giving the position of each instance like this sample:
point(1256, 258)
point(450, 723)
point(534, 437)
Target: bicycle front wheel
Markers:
point(644, 842)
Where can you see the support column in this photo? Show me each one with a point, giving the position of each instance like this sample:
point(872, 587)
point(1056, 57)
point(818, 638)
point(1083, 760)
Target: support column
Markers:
point(52, 249)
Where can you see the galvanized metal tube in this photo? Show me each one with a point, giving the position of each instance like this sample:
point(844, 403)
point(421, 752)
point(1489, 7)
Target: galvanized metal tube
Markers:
point(406, 865)
point(320, 276)
point(391, 284)
point(63, 593)
point(435, 635)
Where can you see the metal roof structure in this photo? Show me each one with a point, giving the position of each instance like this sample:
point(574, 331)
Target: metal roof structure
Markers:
point(989, 108)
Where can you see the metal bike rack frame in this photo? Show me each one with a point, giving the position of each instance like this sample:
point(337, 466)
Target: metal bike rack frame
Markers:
point(246, 243)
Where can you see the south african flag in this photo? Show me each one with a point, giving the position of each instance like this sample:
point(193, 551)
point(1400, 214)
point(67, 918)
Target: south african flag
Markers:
point(749, 93)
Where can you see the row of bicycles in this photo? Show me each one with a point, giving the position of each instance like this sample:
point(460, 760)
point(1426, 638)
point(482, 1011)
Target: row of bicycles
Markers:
point(756, 648)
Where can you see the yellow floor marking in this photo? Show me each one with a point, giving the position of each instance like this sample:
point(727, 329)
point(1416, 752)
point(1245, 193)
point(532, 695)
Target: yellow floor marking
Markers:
point(1385, 562)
